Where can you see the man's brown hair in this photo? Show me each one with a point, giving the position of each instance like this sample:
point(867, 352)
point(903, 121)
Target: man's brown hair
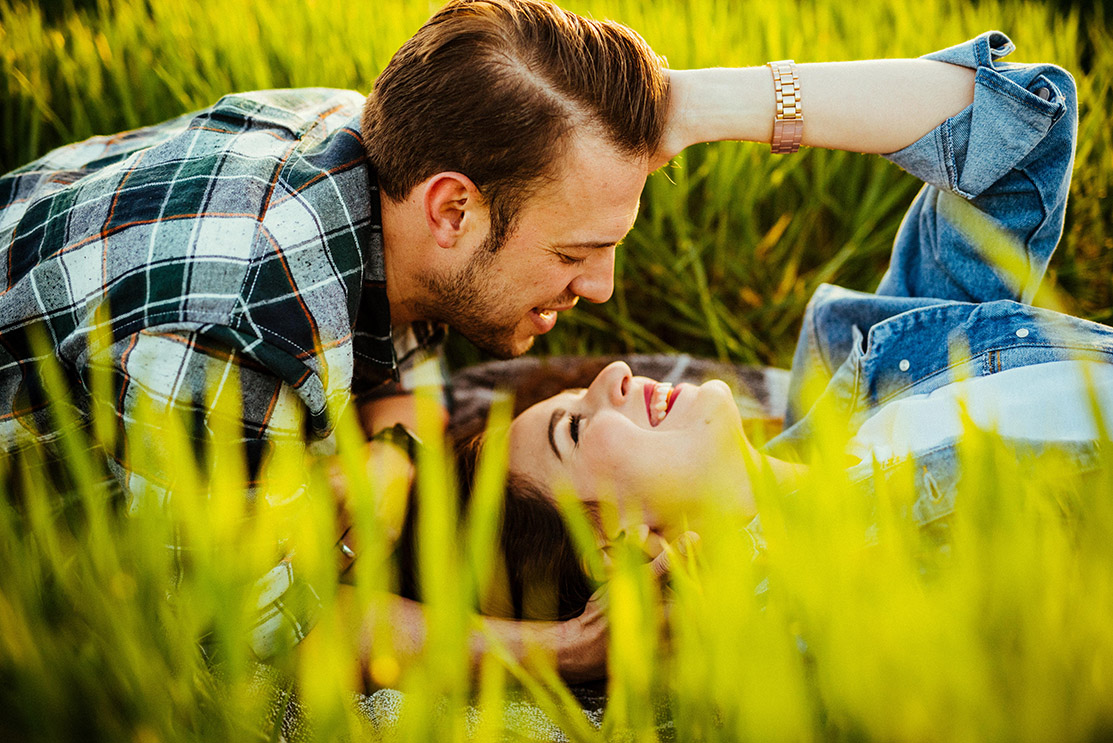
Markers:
point(493, 88)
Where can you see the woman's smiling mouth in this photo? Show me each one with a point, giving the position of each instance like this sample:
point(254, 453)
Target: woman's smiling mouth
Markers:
point(659, 399)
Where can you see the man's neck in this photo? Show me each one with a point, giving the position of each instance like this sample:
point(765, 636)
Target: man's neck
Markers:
point(402, 257)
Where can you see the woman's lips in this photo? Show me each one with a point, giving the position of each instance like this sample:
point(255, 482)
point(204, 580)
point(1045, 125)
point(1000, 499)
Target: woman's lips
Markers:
point(675, 393)
point(659, 399)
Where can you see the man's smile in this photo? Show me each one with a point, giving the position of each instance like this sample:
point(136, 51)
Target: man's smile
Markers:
point(545, 317)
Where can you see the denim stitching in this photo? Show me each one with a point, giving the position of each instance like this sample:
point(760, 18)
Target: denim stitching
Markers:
point(998, 83)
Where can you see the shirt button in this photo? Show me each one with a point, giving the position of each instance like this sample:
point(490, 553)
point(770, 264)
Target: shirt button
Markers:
point(904, 365)
point(1022, 333)
point(1044, 93)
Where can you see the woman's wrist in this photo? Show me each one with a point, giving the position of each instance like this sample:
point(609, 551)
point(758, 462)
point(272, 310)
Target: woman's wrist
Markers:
point(717, 104)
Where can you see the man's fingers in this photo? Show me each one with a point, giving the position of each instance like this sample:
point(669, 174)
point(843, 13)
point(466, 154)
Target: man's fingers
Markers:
point(683, 546)
point(687, 543)
point(345, 552)
point(660, 565)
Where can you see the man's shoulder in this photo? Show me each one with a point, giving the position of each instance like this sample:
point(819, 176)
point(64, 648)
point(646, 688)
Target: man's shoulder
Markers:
point(217, 211)
point(296, 110)
point(287, 113)
point(204, 181)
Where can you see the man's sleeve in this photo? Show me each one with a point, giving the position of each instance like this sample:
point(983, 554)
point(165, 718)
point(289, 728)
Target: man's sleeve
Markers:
point(1009, 155)
point(206, 386)
point(419, 354)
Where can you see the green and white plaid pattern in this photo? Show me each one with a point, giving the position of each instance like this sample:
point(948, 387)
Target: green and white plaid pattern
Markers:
point(242, 242)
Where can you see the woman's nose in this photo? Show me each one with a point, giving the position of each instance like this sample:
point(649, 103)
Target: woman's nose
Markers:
point(612, 385)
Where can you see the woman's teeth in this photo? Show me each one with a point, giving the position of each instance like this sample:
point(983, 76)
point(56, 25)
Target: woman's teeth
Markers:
point(546, 314)
point(659, 407)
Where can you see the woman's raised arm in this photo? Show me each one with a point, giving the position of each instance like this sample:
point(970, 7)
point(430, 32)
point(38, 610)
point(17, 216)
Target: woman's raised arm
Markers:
point(873, 106)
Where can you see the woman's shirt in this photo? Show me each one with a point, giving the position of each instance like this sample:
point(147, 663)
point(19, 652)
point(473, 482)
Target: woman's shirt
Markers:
point(1059, 401)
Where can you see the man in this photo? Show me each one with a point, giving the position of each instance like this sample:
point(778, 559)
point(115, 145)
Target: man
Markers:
point(510, 141)
point(304, 248)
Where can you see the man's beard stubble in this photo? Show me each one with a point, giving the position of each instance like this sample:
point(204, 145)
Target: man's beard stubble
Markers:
point(469, 304)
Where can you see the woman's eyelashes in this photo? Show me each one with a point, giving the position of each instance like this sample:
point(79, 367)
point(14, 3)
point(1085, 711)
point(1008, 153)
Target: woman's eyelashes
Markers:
point(574, 427)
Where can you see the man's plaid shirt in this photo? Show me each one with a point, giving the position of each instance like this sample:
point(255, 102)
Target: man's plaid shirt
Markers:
point(242, 238)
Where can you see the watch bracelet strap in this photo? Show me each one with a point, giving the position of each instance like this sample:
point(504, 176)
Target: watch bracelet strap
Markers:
point(788, 117)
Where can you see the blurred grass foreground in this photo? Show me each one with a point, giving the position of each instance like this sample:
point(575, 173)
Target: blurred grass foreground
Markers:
point(854, 624)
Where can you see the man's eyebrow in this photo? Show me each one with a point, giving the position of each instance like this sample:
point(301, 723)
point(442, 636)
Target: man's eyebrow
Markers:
point(556, 416)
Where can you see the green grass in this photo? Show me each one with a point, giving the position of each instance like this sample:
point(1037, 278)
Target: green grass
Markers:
point(1004, 634)
point(855, 624)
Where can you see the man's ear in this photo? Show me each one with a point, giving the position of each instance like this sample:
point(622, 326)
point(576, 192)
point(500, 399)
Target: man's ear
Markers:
point(452, 207)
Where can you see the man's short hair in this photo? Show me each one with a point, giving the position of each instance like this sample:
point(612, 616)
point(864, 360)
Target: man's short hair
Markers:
point(493, 89)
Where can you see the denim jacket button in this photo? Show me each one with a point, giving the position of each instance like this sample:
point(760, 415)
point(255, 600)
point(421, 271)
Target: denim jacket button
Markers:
point(1044, 93)
point(1022, 333)
point(904, 365)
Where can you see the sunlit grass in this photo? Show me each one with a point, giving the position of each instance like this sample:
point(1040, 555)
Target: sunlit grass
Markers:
point(855, 622)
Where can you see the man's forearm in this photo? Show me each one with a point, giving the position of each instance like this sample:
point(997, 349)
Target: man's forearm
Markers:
point(874, 106)
point(578, 646)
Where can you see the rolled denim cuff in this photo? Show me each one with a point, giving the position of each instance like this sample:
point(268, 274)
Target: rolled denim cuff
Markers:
point(1014, 108)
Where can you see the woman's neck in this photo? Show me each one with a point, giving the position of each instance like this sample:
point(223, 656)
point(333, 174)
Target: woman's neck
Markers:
point(766, 473)
point(725, 489)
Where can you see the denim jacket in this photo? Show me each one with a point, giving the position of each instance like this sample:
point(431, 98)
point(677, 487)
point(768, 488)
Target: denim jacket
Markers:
point(967, 259)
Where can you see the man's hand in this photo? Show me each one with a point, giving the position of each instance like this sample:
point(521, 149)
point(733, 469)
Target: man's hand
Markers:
point(677, 134)
point(384, 412)
point(582, 655)
point(387, 466)
point(579, 645)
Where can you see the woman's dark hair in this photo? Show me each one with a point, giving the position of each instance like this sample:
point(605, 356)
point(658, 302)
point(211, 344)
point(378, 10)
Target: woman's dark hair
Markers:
point(545, 577)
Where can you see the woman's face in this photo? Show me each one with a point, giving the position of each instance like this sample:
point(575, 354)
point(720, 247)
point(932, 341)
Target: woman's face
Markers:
point(649, 449)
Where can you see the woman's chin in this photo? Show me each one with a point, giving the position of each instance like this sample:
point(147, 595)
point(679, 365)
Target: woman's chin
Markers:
point(719, 399)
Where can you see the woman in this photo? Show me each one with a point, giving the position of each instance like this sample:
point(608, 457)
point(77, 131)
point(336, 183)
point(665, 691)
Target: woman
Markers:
point(948, 333)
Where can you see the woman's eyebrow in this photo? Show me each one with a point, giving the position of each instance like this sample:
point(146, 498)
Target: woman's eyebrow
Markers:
point(556, 416)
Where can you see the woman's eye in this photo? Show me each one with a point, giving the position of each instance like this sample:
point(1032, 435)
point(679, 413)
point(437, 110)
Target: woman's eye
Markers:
point(574, 428)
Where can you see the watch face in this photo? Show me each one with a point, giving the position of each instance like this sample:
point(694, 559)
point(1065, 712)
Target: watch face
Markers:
point(400, 436)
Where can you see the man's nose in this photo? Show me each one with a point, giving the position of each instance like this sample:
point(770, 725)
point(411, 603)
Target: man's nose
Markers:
point(612, 385)
point(596, 282)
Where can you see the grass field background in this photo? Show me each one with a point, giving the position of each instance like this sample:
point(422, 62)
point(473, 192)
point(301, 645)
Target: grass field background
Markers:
point(731, 241)
point(1006, 633)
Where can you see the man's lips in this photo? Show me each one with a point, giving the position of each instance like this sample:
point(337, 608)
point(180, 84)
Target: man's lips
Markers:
point(544, 318)
point(553, 310)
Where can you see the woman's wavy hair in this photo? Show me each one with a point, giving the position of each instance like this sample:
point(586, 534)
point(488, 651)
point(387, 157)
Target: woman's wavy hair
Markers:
point(545, 578)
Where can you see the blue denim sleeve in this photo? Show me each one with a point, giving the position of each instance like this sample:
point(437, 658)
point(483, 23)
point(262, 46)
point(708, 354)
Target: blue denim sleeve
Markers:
point(1008, 155)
